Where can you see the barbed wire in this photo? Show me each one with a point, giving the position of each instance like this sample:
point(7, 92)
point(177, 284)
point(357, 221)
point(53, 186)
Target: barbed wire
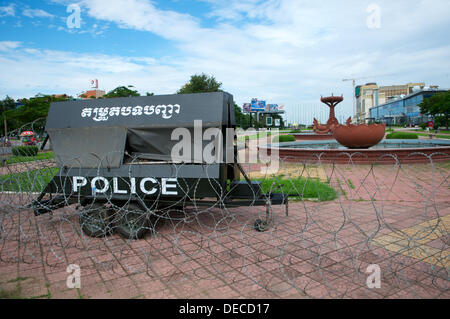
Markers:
point(340, 219)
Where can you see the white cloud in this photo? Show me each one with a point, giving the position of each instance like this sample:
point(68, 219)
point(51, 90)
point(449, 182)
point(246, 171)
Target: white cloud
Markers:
point(69, 72)
point(9, 45)
point(143, 15)
point(37, 13)
point(287, 51)
point(7, 10)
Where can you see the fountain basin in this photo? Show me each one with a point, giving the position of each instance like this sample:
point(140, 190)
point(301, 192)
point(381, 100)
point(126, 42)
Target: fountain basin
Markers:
point(359, 136)
point(386, 152)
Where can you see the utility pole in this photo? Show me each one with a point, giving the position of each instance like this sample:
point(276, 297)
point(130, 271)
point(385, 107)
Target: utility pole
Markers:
point(6, 131)
point(3, 105)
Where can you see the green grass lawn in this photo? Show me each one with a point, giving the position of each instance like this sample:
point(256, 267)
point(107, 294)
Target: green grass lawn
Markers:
point(38, 157)
point(305, 188)
point(28, 181)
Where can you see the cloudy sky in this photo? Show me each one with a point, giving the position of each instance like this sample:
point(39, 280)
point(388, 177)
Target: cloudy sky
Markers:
point(284, 51)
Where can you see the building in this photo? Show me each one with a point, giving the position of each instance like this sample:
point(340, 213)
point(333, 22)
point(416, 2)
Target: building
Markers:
point(392, 91)
point(403, 110)
point(366, 97)
point(371, 95)
point(92, 94)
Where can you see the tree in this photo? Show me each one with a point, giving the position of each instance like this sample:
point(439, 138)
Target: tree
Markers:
point(7, 104)
point(149, 94)
point(200, 84)
point(242, 119)
point(31, 110)
point(122, 91)
point(437, 106)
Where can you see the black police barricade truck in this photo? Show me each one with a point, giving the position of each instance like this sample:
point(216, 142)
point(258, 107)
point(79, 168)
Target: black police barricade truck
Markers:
point(116, 160)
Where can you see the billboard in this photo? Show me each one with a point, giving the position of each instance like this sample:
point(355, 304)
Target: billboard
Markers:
point(258, 106)
point(272, 108)
point(261, 106)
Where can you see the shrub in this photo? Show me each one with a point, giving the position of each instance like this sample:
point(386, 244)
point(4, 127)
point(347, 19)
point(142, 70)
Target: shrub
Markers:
point(26, 150)
point(424, 126)
point(402, 135)
point(284, 138)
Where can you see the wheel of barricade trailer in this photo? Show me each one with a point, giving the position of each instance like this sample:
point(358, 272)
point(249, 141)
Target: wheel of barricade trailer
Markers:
point(132, 222)
point(95, 220)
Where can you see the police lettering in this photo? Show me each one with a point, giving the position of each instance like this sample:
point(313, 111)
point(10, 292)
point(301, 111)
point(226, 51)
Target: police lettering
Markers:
point(147, 185)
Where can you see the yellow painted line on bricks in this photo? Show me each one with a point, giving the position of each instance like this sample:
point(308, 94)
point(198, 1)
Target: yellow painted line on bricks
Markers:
point(411, 242)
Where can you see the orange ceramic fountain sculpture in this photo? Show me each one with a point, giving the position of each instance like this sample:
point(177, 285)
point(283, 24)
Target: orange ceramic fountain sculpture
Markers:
point(359, 136)
point(349, 135)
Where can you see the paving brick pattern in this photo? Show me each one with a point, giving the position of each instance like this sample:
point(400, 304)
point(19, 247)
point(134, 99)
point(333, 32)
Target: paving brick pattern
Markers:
point(397, 217)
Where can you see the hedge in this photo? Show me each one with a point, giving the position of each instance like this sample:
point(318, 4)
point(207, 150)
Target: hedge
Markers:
point(26, 150)
point(402, 135)
point(284, 138)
